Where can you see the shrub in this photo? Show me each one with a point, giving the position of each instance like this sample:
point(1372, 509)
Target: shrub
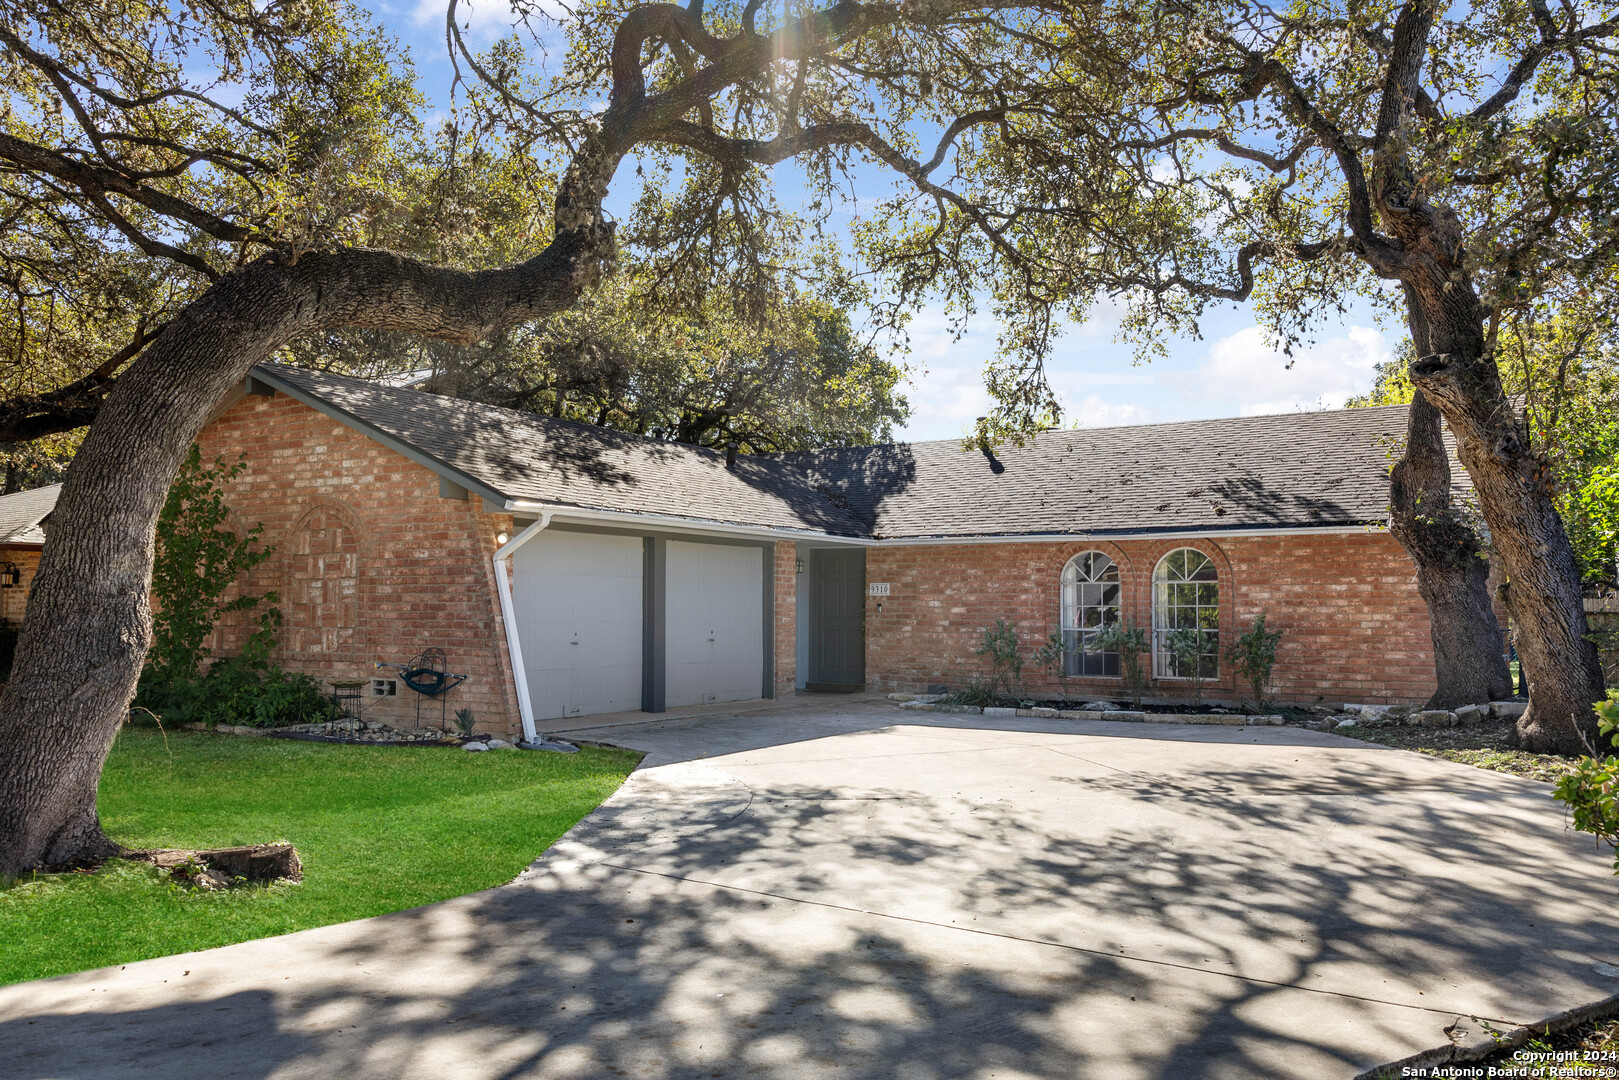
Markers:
point(1130, 642)
point(1254, 656)
point(978, 693)
point(1185, 645)
point(236, 692)
point(1053, 656)
point(1592, 790)
point(465, 721)
point(196, 562)
point(1005, 661)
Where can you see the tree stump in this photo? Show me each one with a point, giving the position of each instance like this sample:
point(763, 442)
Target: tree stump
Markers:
point(255, 862)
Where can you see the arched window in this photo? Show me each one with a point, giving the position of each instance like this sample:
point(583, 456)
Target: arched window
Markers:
point(1186, 596)
point(1090, 602)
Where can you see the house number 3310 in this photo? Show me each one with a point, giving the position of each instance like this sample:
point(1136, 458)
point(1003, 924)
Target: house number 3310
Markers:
point(877, 588)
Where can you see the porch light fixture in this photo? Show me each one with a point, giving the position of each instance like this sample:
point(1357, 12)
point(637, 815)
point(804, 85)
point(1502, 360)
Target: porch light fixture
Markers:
point(798, 566)
point(501, 538)
point(10, 576)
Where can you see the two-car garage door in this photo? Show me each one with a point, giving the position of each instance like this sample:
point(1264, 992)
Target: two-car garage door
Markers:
point(582, 601)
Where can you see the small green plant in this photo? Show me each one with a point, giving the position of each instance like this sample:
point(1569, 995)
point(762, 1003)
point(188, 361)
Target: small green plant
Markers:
point(1254, 656)
point(1592, 790)
point(978, 694)
point(197, 561)
point(1005, 661)
point(1053, 657)
point(1185, 646)
point(465, 721)
point(1130, 642)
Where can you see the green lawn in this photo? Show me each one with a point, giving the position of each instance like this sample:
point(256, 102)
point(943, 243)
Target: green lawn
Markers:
point(378, 829)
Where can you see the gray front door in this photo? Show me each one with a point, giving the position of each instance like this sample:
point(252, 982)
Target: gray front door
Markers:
point(837, 617)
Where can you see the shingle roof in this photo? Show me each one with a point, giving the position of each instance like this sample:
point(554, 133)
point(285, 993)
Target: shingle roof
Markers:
point(21, 514)
point(1297, 470)
point(1291, 470)
point(534, 458)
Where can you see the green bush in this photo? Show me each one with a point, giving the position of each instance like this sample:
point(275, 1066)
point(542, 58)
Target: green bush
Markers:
point(980, 694)
point(1592, 790)
point(1005, 661)
point(1185, 645)
point(240, 693)
point(1053, 656)
point(1254, 656)
point(1130, 642)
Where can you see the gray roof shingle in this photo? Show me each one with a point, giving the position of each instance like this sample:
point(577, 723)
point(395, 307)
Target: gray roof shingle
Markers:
point(1296, 470)
point(534, 458)
point(22, 513)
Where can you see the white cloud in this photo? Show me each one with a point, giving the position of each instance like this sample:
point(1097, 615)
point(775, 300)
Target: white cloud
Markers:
point(1094, 412)
point(1244, 371)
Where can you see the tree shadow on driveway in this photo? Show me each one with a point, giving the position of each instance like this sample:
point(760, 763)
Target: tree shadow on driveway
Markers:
point(1071, 914)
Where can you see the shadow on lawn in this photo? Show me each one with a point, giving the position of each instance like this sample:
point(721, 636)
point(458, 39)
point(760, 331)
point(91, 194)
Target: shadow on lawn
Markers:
point(638, 966)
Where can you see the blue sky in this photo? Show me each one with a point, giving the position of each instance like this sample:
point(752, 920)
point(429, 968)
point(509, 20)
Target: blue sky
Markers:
point(1230, 371)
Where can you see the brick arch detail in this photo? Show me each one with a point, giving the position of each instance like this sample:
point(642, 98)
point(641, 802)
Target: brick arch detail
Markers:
point(1155, 553)
point(321, 559)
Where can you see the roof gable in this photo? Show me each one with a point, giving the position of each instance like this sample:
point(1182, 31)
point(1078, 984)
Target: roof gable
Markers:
point(1293, 471)
point(22, 514)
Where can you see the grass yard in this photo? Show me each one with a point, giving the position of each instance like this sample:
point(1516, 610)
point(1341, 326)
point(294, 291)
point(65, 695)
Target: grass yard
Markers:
point(378, 829)
point(1484, 746)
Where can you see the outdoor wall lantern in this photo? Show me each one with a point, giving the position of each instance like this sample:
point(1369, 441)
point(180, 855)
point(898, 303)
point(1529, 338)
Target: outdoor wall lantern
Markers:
point(10, 576)
point(798, 566)
point(501, 538)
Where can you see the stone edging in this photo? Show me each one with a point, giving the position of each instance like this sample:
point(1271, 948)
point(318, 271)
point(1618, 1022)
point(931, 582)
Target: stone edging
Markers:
point(1469, 1040)
point(1127, 716)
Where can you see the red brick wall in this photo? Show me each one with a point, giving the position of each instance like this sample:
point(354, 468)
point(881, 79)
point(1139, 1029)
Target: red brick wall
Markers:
point(370, 563)
point(13, 601)
point(1355, 628)
point(786, 616)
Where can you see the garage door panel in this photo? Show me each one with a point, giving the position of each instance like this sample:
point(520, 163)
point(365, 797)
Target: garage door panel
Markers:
point(715, 623)
point(578, 601)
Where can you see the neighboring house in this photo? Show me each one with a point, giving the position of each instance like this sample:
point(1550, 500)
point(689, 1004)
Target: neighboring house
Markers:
point(569, 570)
point(22, 535)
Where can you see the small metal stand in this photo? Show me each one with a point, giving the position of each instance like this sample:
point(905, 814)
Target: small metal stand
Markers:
point(425, 673)
point(347, 696)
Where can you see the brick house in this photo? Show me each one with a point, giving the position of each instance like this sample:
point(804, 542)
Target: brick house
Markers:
point(22, 537)
point(569, 570)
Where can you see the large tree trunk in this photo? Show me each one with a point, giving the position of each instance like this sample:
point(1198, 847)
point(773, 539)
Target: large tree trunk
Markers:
point(1452, 569)
point(87, 626)
point(1512, 481)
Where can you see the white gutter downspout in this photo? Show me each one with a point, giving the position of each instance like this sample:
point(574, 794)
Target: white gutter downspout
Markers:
point(508, 611)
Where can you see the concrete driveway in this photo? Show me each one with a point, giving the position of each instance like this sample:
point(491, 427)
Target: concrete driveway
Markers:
point(846, 890)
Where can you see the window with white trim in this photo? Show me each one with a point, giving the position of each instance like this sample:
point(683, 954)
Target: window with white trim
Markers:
point(1090, 603)
point(1186, 596)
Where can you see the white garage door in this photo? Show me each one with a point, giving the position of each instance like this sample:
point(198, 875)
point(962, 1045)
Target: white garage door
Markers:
point(578, 603)
point(714, 647)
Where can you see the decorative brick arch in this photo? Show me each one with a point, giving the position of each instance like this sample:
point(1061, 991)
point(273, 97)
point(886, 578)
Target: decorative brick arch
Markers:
point(1155, 553)
point(321, 602)
point(1130, 582)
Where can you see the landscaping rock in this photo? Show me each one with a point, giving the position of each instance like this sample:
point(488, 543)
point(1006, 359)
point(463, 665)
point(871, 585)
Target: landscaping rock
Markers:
point(1436, 718)
point(1347, 721)
point(1099, 706)
point(917, 706)
point(499, 744)
point(475, 747)
point(901, 697)
point(1074, 714)
point(1469, 714)
point(998, 710)
point(1044, 714)
point(1127, 716)
point(556, 746)
point(1508, 710)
